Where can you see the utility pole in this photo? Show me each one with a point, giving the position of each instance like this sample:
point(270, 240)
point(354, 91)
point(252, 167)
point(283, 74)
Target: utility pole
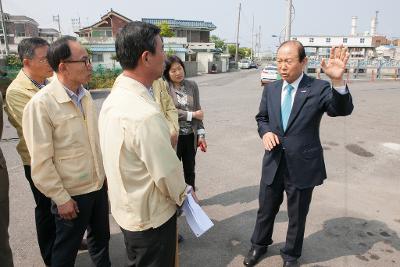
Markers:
point(259, 41)
point(76, 24)
point(57, 19)
point(252, 37)
point(237, 36)
point(288, 21)
point(3, 26)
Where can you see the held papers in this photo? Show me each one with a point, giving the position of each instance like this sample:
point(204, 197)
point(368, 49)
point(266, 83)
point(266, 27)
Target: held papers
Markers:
point(196, 217)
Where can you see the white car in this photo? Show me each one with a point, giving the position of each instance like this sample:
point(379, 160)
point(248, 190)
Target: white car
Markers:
point(244, 64)
point(269, 74)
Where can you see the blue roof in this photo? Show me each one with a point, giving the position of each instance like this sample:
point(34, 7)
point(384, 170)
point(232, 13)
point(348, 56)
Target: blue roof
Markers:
point(101, 47)
point(111, 48)
point(187, 24)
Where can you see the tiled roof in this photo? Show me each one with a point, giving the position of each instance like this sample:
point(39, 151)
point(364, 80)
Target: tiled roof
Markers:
point(15, 18)
point(187, 24)
point(48, 30)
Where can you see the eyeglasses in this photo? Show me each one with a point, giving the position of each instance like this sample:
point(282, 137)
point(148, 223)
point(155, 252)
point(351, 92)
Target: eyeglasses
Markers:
point(87, 61)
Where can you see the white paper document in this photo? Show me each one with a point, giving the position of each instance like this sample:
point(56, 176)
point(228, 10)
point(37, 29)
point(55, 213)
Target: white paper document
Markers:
point(196, 217)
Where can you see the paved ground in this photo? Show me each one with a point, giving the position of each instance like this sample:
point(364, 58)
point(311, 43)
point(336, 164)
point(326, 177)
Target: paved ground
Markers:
point(355, 215)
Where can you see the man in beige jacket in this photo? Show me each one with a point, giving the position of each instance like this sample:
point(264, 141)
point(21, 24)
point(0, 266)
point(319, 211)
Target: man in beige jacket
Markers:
point(144, 175)
point(60, 129)
point(31, 78)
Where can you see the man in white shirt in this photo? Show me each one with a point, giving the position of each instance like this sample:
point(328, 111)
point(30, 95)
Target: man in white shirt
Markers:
point(145, 179)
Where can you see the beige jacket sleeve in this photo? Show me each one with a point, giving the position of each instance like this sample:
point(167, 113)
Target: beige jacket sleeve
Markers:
point(37, 129)
point(16, 102)
point(153, 146)
point(162, 97)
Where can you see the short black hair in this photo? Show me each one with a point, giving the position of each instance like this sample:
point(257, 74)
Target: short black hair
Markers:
point(26, 48)
point(168, 63)
point(300, 48)
point(59, 51)
point(134, 39)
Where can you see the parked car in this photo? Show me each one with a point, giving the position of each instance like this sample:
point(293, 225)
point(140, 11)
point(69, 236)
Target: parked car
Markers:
point(269, 74)
point(244, 64)
point(253, 65)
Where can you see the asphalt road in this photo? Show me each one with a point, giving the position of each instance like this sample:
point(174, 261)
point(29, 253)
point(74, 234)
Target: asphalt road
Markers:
point(354, 219)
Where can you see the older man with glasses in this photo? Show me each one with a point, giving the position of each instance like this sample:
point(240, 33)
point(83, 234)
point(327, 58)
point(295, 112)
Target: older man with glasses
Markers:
point(60, 129)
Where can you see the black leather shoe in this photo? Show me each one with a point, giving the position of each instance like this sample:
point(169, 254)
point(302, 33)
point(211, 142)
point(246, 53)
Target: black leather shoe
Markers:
point(254, 255)
point(291, 263)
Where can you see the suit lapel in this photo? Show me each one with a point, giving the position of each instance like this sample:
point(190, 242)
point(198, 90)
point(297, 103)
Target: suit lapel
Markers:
point(276, 93)
point(301, 95)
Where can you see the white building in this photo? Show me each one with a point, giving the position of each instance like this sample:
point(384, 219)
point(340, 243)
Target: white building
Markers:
point(361, 46)
point(317, 46)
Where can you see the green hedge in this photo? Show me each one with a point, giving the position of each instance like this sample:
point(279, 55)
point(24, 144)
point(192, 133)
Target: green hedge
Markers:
point(103, 78)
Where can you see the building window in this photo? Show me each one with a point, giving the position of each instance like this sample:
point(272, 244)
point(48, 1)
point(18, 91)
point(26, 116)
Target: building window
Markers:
point(328, 40)
point(101, 33)
point(362, 40)
point(96, 58)
point(20, 30)
point(311, 40)
point(345, 40)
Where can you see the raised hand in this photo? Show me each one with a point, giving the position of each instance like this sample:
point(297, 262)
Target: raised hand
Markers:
point(336, 65)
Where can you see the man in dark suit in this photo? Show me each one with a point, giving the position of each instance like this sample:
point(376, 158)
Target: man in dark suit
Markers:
point(288, 122)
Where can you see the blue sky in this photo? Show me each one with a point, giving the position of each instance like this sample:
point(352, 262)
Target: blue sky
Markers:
point(312, 16)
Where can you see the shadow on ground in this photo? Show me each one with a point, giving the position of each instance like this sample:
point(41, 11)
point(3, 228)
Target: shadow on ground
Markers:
point(242, 195)
point(349, 236)
point(229, 238)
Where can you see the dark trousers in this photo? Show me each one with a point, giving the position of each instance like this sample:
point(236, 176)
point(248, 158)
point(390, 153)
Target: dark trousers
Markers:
point(155, 247)
point(93, 217)
point(6, 258)
point(270, 199)
point(186, 153)
point(44, 219)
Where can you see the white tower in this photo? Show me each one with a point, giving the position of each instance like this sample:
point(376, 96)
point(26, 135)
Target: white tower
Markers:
point(354, 26)
point(374, 24)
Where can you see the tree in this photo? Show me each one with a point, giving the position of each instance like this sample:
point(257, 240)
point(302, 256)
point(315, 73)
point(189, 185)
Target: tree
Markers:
point(165, 30)
point(13, 61)
point(219, 43)
point(243, 51)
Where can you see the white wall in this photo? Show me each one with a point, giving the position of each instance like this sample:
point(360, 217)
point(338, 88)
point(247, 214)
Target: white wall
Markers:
point(203, 58)
point(353, 41)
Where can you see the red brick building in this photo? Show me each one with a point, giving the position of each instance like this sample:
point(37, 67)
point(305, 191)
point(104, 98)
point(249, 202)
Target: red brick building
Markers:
point(108, 26)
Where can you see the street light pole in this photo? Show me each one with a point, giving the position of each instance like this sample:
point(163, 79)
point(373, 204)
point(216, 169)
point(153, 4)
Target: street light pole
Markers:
point(3, 25)
point(288, 21)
